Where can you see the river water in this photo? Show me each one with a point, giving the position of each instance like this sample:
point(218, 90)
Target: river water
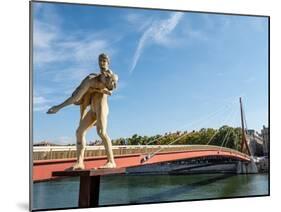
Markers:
point(116, 190)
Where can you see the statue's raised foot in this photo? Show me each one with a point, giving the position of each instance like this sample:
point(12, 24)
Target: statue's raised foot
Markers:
point(53, 110)
point(108, 165)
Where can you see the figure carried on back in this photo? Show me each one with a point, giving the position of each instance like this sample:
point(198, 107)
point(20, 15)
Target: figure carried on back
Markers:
point(93, 92)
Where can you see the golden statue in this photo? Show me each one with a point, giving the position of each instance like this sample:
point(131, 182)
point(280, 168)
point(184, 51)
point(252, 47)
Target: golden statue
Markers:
point(93, 92)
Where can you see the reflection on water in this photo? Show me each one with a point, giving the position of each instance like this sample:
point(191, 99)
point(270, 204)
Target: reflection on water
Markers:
point(143, 189)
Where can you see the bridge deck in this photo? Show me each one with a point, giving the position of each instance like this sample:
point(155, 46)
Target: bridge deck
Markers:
point(42, 170)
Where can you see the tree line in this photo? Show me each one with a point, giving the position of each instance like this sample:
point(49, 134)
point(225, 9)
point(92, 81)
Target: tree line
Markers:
point(224, 136)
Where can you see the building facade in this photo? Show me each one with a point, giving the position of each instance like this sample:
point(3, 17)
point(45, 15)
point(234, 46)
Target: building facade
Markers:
point(265, 137)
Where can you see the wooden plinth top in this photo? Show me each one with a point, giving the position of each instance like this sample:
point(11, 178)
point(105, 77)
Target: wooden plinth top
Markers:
point(90, 172)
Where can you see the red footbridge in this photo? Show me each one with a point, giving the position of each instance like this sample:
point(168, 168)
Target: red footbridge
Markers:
point(43, 169)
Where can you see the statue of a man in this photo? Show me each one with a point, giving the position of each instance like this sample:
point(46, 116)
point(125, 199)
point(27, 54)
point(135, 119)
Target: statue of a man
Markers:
point(93, 91)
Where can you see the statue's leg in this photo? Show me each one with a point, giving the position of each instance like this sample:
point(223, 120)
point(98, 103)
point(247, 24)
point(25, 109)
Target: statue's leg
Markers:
point(82, 111)
point(56, 108)
point(85, 123)
point(84, 104)
point(101, 130)
point(75, 97)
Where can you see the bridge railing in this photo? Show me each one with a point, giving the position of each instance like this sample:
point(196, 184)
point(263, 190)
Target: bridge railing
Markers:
point(64, 152)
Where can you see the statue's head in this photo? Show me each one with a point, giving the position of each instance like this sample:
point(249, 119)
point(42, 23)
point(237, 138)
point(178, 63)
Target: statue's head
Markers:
point(109, 80)
point(103, 61)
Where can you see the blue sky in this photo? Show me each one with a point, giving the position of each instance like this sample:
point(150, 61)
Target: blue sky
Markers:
point(176, 70)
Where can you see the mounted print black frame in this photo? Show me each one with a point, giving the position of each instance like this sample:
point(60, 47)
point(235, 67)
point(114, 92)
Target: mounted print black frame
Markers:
point(188, 117)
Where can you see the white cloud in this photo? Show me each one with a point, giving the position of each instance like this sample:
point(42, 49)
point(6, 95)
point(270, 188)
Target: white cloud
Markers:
point(39, 100)
point(138, 22)
point(89, 50)
point(158, 33)
point(139, 50)
point(54, 45)
point(42, 108)
point(62, 58)
point(40, 103)
point(162, 29)
point(133, 18)
point(73, 74)
point(43, 34)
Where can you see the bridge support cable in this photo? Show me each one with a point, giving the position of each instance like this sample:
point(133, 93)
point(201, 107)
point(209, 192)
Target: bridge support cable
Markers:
point(227, 139)
point(148, 156)
point(223, 121)
point(205, 119)
point(236, 134)
point(228, 132)
point(199, 121)
point(202, 120)
point(244, 141)
point(236, 139)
